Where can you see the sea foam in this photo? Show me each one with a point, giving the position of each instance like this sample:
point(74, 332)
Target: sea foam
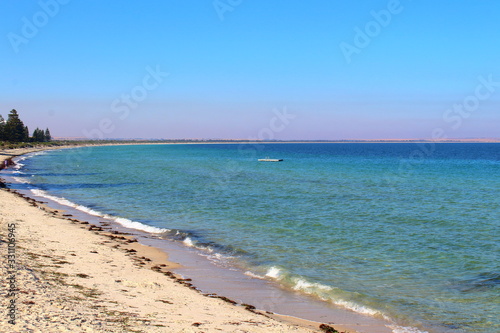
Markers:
point(19, 159)
point(274, 273)
point(21, 180)
point(253, 275)
point(320, 290)
point(188, 242)
point(123, 221)
point(402, 329)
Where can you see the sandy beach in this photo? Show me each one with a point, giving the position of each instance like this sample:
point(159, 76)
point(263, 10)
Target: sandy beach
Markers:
point(60, 274)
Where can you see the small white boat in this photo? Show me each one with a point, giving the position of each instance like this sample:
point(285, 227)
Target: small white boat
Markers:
point(267, 159)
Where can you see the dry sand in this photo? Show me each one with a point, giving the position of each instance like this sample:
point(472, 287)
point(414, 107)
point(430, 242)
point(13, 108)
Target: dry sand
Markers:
point(72, 277)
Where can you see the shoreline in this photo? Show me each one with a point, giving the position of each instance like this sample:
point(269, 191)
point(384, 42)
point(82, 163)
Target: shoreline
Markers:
point(145, 270)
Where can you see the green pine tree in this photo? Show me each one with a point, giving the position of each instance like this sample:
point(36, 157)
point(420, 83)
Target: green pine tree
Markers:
point(2, 128)
point(38, 135)
point(26, 134)
point(48, 137)
point(14, 128)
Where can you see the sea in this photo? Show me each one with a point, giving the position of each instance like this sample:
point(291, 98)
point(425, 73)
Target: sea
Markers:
point(407, 233)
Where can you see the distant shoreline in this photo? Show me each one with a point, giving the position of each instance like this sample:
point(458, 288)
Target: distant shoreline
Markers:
point(242, 141)
point(61, 144)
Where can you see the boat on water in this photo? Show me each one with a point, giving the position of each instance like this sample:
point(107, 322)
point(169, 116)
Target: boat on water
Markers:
point(267, 159)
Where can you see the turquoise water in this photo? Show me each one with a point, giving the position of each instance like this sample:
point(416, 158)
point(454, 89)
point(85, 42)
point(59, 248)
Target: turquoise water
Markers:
point(402, 231)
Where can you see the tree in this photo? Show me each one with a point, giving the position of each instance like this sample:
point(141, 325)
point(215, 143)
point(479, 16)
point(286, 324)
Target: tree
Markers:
point(38, 135)
point(26, 134)
point(2, 128)
point(48, 137)
point(15, 131)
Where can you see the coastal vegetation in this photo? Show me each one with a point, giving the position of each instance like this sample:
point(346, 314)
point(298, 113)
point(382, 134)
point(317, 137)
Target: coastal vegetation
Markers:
point(13, 131)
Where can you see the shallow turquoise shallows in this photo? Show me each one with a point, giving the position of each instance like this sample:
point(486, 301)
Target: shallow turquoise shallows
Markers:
point(406, 231)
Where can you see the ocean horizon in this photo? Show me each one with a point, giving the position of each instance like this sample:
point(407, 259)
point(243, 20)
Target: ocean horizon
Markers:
point(406, 232)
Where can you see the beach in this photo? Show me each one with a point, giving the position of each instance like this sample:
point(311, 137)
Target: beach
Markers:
point(202, 238)
point(65, 275)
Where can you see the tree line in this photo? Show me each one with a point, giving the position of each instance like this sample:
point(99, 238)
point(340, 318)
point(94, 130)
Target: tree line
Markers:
point(14, 130)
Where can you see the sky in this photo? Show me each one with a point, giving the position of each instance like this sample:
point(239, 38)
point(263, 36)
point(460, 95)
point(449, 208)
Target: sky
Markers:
point(241, 69)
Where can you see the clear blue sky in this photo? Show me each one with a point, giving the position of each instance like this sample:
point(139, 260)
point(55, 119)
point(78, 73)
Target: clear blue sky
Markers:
point(68, 65)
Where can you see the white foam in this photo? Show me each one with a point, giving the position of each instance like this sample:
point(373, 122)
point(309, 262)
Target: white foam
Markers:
point(21, 180)
point(89, 211)
point(17, 160)
point(301, 284)
point(18, 165)
point(256, 276)
point(313, 289)
point(188, 242)
point(61, 201)
point(123, 221)
point(274, 272)
point(139, 226)
point(207, 250)
point(402, 329)
point(360, 309)
point(210, 250)
point(218, 256)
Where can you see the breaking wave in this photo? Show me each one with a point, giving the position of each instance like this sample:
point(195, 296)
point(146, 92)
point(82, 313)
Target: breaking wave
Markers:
point(120, 220)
